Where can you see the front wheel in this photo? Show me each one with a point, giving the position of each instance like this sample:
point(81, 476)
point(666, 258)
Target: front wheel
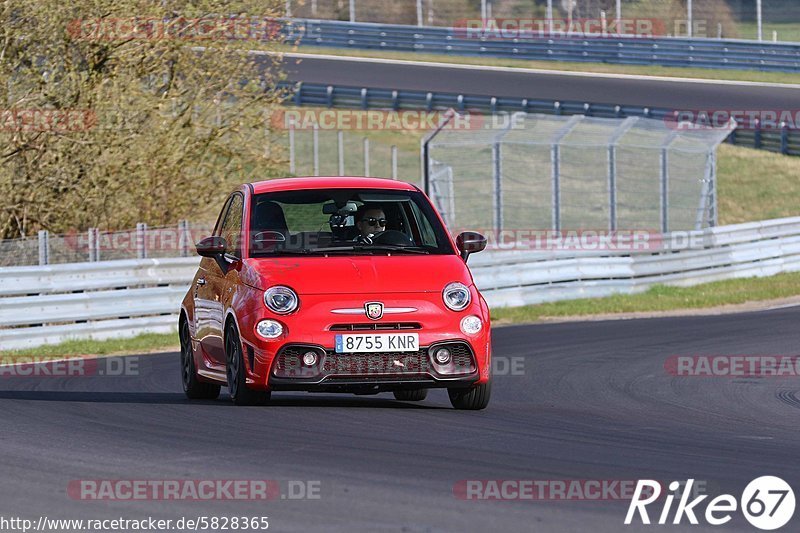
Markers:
point(411, 395)
point(192, 386)
point(240, 393)
point(473, 398)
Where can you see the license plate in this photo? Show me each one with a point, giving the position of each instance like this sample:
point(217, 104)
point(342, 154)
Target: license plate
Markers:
point(378, 342)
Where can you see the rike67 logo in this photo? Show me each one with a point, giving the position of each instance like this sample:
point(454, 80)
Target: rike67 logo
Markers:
point(767, 503)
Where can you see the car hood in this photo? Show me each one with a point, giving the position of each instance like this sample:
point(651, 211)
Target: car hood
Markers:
point(357, 274)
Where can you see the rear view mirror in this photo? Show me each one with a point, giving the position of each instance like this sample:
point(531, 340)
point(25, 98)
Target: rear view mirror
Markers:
point(211, 247)
point(470, 242)
point(331, 209)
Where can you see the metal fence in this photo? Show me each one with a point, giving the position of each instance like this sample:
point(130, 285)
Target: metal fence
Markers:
point(96, 245)
point(549, 172)
point(314, 151)
point(625, 50)
point(784, 140)
point(743, 19)
point(50, 304)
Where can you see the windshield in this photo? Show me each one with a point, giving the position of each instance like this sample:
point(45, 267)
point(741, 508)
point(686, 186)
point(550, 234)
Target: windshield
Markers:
point(345, 222)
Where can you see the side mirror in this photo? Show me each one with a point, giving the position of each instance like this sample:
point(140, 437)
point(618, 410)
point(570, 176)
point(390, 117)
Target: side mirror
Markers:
point(470, 242)
point(211, 247)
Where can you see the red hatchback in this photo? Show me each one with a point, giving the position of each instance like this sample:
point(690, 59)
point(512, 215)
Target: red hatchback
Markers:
point(335, 285)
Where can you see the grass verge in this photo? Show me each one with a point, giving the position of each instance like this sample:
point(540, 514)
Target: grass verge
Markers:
point(148, 342)
point(660, 298)
point(605, 68)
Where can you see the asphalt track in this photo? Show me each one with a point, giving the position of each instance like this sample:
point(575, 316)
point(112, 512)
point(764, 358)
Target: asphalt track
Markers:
point(635, 91)
point(592, 401)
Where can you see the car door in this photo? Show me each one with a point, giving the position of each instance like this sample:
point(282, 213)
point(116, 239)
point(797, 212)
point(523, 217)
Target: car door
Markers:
point(211, 287)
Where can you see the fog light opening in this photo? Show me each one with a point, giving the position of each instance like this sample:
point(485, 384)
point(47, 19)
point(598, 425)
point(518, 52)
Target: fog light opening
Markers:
point(441, 356)
point(471, 325)
point(269, 329)
point(310, 358)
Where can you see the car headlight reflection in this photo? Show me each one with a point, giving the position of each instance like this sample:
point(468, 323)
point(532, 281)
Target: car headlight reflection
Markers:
point(456, 296)
point(281, 300)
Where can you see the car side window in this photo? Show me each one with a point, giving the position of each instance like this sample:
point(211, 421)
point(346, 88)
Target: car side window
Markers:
point(231, 229)
point(426, 231)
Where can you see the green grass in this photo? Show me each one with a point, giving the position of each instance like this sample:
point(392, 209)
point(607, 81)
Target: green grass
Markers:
point(787, 31)
point(660, 298)
point(642, 70)
point(756, 185)
point(148, 342)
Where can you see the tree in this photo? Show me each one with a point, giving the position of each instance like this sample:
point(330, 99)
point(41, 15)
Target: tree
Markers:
point(118, 111)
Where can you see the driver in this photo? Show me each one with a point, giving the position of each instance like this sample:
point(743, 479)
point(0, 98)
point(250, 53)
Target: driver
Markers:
point(370, 220)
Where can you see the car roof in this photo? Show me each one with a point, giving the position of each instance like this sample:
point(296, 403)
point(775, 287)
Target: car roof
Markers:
point(329, 182)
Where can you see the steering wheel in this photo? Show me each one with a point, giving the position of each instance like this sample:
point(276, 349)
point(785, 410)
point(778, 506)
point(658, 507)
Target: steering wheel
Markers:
point(393, 237)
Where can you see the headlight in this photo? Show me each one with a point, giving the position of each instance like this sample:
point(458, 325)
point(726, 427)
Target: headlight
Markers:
point(269, 329)
point(471, 325)
point(281, 300)
point(456, 296)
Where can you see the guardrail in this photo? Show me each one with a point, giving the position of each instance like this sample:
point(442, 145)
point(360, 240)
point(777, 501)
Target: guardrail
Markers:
point(672, 51)
point(785, 141)
point(50, 304)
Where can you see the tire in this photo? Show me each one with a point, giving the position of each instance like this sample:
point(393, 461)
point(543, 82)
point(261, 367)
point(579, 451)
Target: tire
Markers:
point(411, 395)
point(473, 398)
point(192, 386)
point(240, 393)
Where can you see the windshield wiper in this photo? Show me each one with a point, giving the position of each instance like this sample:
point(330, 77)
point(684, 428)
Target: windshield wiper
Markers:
point(362, 248)
point(395, 248)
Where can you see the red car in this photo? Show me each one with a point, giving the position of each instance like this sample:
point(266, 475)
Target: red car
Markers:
point(335, 285)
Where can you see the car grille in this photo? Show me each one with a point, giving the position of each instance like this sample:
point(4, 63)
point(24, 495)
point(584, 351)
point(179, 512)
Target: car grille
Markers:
point(289, 363)
point(376, 326)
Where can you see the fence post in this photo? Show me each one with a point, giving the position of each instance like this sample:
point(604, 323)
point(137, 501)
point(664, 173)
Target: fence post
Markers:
point(340, 143)
point(555, 158)
point(183, 237)
point(419, 13)
point(757, 135)
point(394, 162)
point(141, 240)
point(315, 137)
point(784, 138)
point(352, 10)
point(621, 130)
point(555, 168)
point(759, 21)
point(44, 247)
point(292, 167)
point(497, 182)
point(664, 191)
point(93, 245)
point(366, 156)
point(689, 19)
point(612, 187)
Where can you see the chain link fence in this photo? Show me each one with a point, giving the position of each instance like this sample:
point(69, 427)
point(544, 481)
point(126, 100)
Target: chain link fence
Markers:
point(96, 245)
point(730, 19)
point(548, 172)
point(316, 151)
